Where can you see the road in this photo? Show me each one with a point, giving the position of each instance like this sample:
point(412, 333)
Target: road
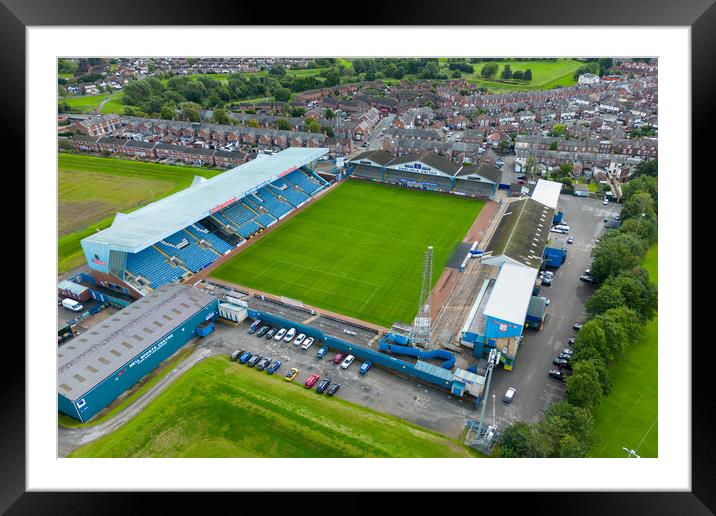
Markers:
point(375, 141)
point(535, 390)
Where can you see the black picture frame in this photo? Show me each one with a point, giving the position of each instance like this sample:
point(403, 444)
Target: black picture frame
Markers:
point(16, 15)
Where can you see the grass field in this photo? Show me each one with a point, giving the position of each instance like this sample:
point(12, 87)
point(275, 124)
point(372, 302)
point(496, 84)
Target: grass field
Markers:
point(358, 250)
point(545, 75)
point(222, 409)
point(628, 416)
point(84, 103)
point(92, 189)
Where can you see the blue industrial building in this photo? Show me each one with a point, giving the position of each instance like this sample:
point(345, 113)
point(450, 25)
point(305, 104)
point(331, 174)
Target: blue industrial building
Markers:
point(99, 365)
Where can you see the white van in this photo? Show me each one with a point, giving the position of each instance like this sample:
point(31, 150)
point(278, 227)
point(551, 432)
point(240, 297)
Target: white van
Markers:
point(72, 305)
point(563, 227)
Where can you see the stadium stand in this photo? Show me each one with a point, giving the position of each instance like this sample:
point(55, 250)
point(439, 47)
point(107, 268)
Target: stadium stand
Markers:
point(418, 180)
point(474, 188)
point(171, 239)
point(367, 172)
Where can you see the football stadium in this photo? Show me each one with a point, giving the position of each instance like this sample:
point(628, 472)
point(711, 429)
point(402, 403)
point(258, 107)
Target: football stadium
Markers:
point(379, 259)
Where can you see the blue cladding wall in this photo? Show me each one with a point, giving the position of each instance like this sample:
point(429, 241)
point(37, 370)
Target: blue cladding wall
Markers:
point(554, 257)
point(139, 366)
point(360, 352)
point(498, 329)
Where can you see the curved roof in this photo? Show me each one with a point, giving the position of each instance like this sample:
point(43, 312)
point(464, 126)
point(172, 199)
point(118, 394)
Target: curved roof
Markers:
point(142, 228)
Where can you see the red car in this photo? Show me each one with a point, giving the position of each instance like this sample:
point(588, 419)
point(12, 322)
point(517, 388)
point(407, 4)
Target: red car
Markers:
point(339, 358)
point(311, 381)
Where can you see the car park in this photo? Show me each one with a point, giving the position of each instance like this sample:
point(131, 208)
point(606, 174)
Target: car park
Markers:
point(347, 362)
point(254, 326)
point(290, 334)
point(280, 334)
point(254, 360)
point(311, 381)
point(557, 375)
point(271, 333)
point(299, 340)
point(365, 366)
point(339, 358)
point(509, 395)
point(245, 357)
point(308, 343)
point(263, 331)
point(261, 365)
point(322, 352)
point(273, 367)
point(292, 373)
point(333, 389)
point(323, 385)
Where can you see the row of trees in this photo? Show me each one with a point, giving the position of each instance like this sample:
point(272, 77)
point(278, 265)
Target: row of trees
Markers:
point(489, 72)
point(624, 300)
point(595, 66)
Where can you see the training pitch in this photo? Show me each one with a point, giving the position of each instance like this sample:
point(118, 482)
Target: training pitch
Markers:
point(223, 409)
point(358, 250)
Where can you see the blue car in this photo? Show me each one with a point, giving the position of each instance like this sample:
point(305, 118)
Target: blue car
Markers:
point(245, 357)
point(273, 367)
point(365, 366)
point(322, 352)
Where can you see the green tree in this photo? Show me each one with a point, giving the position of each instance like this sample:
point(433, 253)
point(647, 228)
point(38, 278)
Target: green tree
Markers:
point(558, 130)
point(641, 184)
point(638, 292)
point(583, 386)
point(312, 126)
point(616, 253)
point(190, 111)
point(253, 123)
point(522, 440)
point(637, 204)
point(528, 74)
point(645, 229)
point(647, 168)
point(591, 342)
point(531, 167)
point(221, 117)
point(283, 124)
point(605, 297)
point(569, 447)
point(282, 95)
point(167, 112)
point(489, 71)
point(554, 145)
point(277, 70)
point(506, 72)
point(329, 114)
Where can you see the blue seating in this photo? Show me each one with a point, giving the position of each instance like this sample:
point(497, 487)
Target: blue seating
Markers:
point(152, 265)
point(239, 213)
point(293, 196)
point(248, 229)
point(216, 242)
point(298, 178)
point(276, 207)
point(265, 219)
point(192, 255)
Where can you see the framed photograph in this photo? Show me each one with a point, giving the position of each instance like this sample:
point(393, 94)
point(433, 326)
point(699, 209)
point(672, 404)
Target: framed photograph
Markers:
point(415, 256)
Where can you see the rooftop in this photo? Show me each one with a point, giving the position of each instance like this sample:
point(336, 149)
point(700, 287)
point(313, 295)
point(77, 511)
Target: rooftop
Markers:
point(547, 192)
point(142, 228)
point(512, 293)
point(91, 357)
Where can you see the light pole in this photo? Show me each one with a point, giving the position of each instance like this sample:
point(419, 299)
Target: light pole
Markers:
point(631, 453)
point(643, 214)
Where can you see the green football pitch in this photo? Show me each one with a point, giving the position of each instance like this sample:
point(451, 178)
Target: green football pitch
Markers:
point(628, 416)
point(222, 409)
point(358, 250)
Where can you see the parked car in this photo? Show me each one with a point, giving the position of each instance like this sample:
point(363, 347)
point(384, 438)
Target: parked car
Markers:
point(560, 362)
point(311, 381)
point(547, 281)
point(263, 363)
point(253, 360)
point(365, 366)
point(245, 357)
point(586, 279)
point(308, 343)
point(605, 202)
point(577, 326)
point(290, 334)
point(280, 334)
point(567, 351)
point(571, 341)
point(509, 395)
point(339, 358)
point(564, 356)
point(299, 340)
point(234, 356)
point(347, 362)
point(292, 373)
point(322, 352)
point(273, 367)
point(263, 330)
point(271, 333)
point(254, 326)
point(557, 375)
point(323, 385)
point(333, 389)
point(570, 240)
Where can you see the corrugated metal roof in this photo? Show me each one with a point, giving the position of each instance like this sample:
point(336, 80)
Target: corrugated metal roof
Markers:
point(547, 192)
point(160, 219)
point(512, 293)
point(429, 368)
point(71, 286)
point(89, 358)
